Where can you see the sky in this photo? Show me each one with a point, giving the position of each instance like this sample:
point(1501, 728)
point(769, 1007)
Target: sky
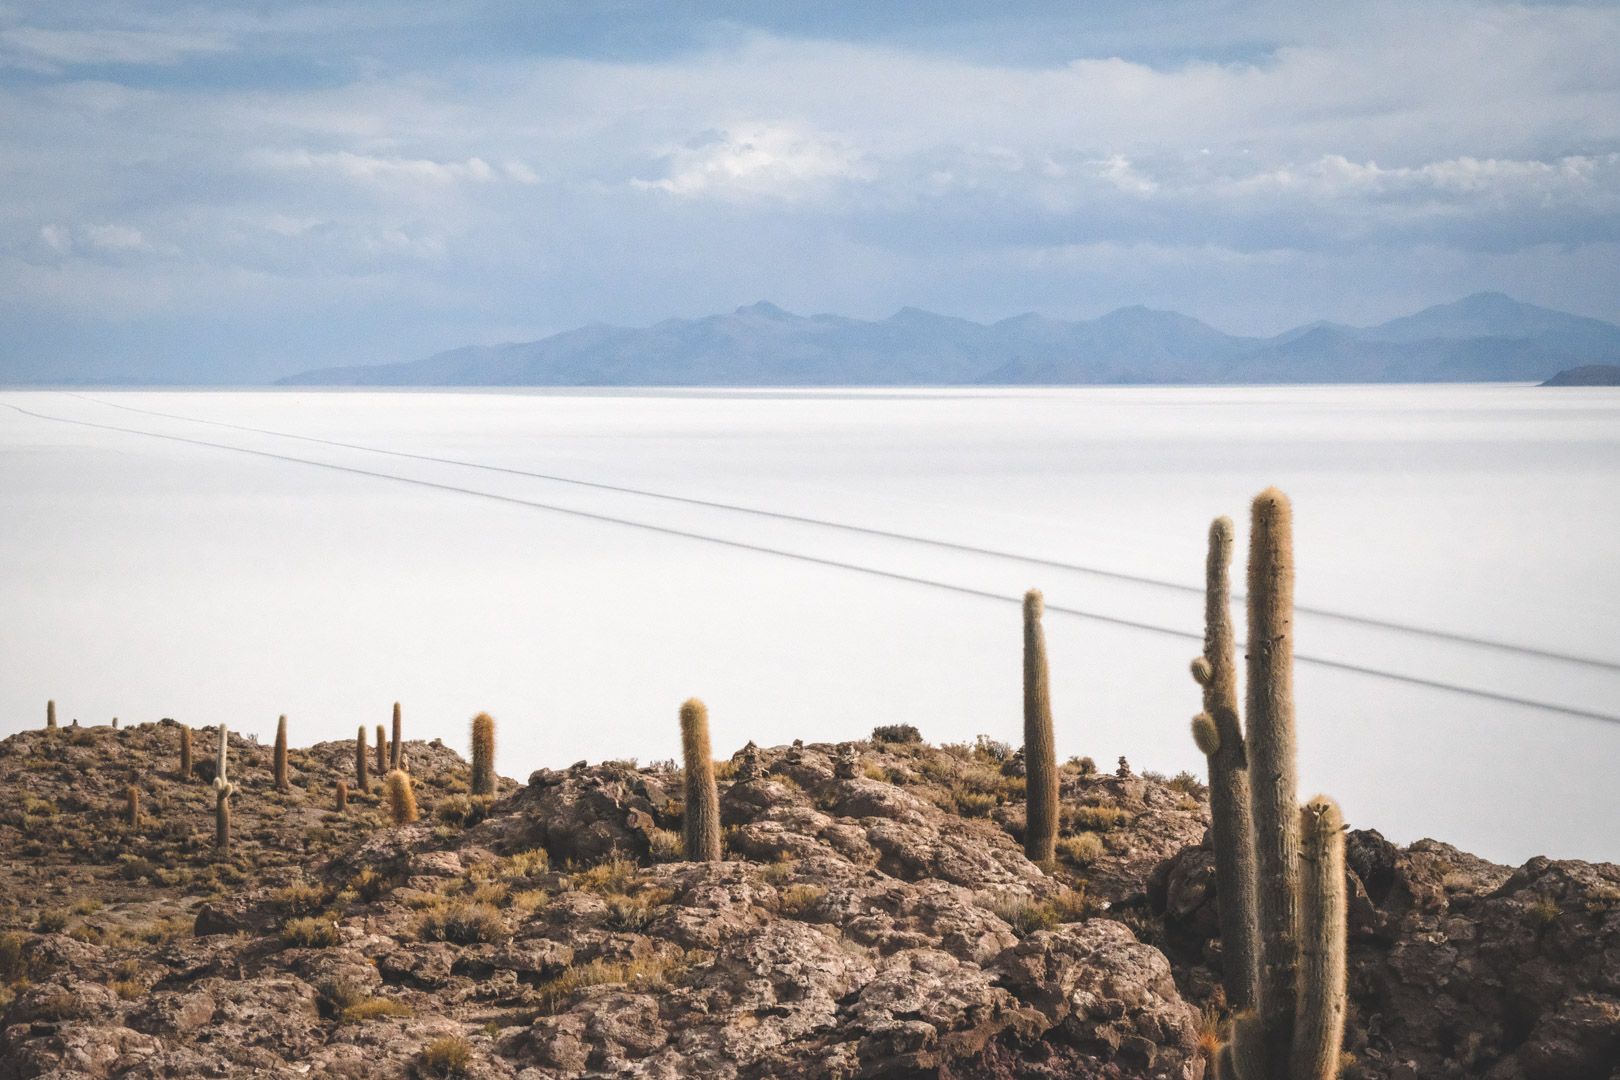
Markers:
point(227, 191)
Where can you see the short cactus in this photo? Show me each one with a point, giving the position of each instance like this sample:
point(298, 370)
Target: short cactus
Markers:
point(701, 825)
point(1319, 1010)
point(50, 715)
point(281, 754)
point(132, 806)
point(483, 754)
point(342, 796)
point(382, 751)
point(398, 745)
point(401, 799)
point(185, 752)
point(362, 781)
point(1040, 752)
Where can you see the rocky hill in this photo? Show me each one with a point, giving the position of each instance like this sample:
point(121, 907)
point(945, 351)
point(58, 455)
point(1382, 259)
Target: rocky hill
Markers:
point(874, 917)
point(1587, 375)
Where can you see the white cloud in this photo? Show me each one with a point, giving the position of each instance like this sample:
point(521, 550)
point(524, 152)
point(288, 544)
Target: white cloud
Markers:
point(48, 49)
point(370, 167)
point(772, 160)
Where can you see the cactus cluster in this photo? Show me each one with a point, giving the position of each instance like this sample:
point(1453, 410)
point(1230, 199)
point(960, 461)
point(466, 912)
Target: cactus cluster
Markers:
point(700, 825)
point(483, 754)
point(1279, 866)
point(1040, 751)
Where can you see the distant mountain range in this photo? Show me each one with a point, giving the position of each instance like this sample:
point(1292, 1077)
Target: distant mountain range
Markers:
point(1481, 338)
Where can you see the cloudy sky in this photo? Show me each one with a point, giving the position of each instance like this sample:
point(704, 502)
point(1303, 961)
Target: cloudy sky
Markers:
point(230, 190)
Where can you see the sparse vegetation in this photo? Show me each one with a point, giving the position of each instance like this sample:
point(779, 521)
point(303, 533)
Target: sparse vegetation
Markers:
point(310, 932)
point(446, 1057)
point(463, 922)
point(898, 734)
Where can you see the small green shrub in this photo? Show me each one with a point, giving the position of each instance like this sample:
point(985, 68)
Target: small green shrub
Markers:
point(896, 733)
point(1082, 849)
point(373, 1009)
point(51, 921)
point(795, 900)
point(1094, 818)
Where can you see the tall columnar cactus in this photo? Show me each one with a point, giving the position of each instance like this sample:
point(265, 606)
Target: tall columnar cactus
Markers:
point(132, 806)
point(483, 754)
point(382, 751)
point(1292, 891)
point(222, 793)
point(398, 760)
point(50, 715)
point(185, 751)
point(281, 754)
point(342, 796)
point(1040, 751)
point(362, 781)
point(701, 824)
point(401, 799)
point(1272, 798)
point(1319, 1010)
point(1219, 734)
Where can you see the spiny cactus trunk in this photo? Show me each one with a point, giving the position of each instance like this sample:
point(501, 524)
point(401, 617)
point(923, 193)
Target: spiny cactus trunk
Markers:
point(401, 799)
point(222, 820)
point(342, 796)
point(398, 747)
point(222, 792)
point(701, 824)
point(281, 754)
point(1040, 751)
point(1219, 734)
point(185, 752)
point(362, 781)
point(382, 751)
point(1319, 1012)
point(1272, 784)
point(483, 754)
point(50, 715)
point(132, 807)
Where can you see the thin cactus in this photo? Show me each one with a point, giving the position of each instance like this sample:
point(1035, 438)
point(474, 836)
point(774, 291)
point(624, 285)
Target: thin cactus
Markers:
point(1040, 753)
point(1270, 742)
point(362, 781)
point(185, 751)
point(342, 796)
point(382, 751)
point(281, 754)
point(483, 754)
point(1219, 734)
point(132, 806)
point(222, 793)
point(701, 823)
point(50, 715)
point(1319, 1010)
point(401, 799)
point(398, 745)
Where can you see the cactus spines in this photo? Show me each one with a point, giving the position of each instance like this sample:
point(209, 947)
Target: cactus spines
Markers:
point(397, 761)
point(362, 781)
point(1270, 743)
point(222, 793)
point(382, 751)
point(50, 715)
point(132, 805)
point(281, 754)
point(185, 752)
point(342, 796)
point(1219, 734)
point(701, 824)
point(1319, 1010)
point(1040, 752)
point(401, 799)
point(483, 754)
